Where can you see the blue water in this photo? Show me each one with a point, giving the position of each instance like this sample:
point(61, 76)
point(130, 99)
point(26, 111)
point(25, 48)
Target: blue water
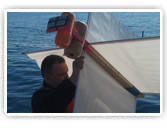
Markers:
point(26, 31)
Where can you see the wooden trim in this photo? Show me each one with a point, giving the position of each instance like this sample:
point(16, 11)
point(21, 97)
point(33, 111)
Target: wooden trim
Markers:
point(125, 40)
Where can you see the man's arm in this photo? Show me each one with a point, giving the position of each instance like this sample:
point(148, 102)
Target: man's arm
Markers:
point(77, 66)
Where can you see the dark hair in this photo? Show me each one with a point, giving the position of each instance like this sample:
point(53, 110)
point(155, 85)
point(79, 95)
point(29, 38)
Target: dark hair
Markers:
point(48, 62)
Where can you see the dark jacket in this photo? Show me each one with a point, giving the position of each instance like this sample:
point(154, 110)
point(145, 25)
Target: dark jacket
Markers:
point(50, 100)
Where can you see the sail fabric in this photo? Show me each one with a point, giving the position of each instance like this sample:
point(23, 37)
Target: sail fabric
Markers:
point(104, 26)
point(137, 60)
point(98, 92)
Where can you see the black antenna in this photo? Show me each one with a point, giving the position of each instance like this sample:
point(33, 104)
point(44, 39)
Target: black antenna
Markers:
point(142, 34)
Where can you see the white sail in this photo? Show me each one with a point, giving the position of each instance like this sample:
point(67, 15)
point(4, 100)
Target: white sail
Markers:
point(104, 26)
point(137, 60)
point(98, 92)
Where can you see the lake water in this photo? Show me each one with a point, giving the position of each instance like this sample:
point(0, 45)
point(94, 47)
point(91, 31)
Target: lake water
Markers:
point(26, 32)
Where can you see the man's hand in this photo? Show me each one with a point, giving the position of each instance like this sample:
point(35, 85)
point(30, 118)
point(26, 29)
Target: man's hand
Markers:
point(77, 66)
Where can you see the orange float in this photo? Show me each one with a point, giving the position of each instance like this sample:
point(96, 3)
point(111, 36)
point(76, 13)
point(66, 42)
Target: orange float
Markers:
point(74, 50)
point(70, 34)
point(64, 38)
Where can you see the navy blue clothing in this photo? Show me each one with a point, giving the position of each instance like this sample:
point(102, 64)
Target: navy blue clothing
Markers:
point(53, 100)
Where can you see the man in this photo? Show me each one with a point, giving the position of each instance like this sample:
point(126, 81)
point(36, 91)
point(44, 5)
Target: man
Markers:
point(57, 93)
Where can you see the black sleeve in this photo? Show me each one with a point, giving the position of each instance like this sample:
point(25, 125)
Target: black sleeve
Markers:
point(53, 101)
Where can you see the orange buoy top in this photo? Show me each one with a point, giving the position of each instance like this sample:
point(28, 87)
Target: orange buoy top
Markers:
point(63, 38)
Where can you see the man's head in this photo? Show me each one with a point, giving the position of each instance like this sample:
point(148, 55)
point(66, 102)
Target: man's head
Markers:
point(54, 70)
